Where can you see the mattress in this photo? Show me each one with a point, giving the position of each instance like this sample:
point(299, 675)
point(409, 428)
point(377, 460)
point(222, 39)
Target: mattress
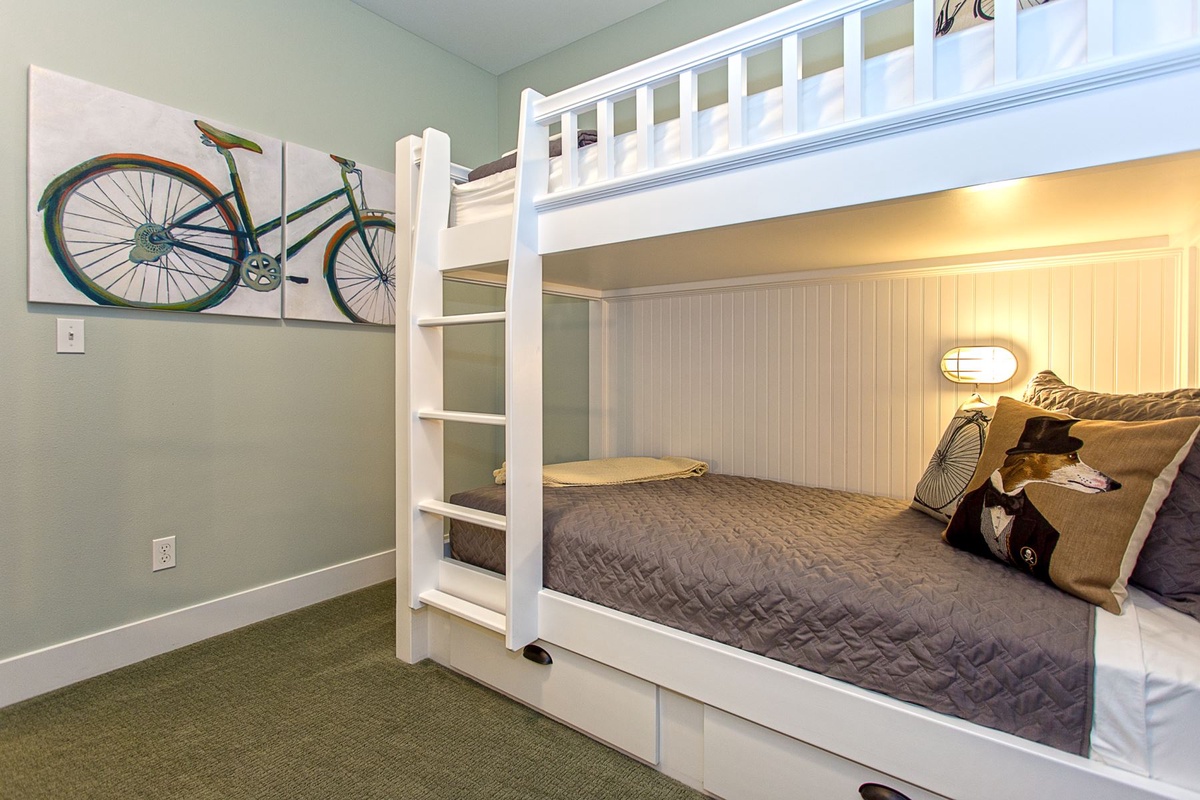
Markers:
point(1147, 698)
point(1050, 38)
point(856, 587)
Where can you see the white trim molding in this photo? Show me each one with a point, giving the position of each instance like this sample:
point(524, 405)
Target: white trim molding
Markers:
point(30, 674)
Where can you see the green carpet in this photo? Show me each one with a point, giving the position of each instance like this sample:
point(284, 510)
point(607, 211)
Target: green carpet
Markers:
point(312, 704)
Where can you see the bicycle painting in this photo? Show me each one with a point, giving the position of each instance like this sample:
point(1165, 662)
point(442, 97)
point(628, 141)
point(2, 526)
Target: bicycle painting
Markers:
point(182, 214)
point(96, 157)
point(350, 263)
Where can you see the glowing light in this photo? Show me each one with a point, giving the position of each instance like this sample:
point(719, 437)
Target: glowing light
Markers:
point(995, 186)
point(988, 364)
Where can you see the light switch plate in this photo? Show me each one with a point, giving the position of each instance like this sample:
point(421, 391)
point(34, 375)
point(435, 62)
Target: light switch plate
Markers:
point(70, 335)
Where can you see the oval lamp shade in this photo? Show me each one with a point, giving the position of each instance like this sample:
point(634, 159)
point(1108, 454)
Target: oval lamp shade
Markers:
point(979, 365)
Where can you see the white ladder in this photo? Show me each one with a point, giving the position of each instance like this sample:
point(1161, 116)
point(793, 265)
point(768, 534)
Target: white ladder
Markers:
point(425, 413)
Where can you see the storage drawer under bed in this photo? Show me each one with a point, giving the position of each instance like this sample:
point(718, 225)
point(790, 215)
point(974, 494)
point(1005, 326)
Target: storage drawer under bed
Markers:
point(608, 704)
point(745, 761)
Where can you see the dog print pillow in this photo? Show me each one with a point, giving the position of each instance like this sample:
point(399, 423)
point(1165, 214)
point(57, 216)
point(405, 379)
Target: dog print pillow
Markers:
point(1069, 501)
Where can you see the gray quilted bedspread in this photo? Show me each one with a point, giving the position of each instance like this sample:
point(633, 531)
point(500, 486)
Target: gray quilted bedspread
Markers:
point(856, 587)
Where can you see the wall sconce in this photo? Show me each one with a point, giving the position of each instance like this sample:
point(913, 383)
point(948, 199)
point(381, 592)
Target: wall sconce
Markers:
point(979, 365)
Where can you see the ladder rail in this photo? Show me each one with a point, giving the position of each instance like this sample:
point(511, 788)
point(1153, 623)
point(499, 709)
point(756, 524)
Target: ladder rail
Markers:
point(523, 383)
point(426, 463)
point(461, 319)
point(412, 639)
point(464, 513)
point(459, 607)
point(462, 416)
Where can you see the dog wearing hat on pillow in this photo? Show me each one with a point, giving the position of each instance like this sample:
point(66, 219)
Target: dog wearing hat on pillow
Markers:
point(1010, 527)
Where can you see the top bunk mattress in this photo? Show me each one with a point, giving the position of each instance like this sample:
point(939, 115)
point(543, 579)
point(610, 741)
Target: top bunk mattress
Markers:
point(856, 587)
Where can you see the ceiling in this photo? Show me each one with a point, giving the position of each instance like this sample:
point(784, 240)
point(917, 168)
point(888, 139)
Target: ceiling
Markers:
point(498, 35)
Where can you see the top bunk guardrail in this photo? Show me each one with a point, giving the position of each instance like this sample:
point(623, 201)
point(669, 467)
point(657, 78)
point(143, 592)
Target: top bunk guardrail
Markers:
point(1103, 31)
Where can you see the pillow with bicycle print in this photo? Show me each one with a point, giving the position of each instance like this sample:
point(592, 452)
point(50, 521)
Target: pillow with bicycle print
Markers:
point(957, 15)
point(953, 462)
point(1069, 501)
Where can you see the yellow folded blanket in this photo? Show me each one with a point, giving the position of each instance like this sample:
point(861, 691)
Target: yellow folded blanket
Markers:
point(609, 471)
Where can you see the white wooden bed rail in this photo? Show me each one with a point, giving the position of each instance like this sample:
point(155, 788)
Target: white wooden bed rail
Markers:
point(785, 30)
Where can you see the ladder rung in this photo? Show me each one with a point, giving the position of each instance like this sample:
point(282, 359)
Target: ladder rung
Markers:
point(464, 514)
point(465, 609)
point(461, 319)
point(463, 416)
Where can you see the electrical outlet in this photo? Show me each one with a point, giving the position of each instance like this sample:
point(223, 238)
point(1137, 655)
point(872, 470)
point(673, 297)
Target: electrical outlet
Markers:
point(163, 553)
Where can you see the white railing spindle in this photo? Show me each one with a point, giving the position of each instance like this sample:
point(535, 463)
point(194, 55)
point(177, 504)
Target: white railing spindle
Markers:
point(792, 85)
point(737, 100)
point(852, 64)
point(689, 105)
point(1099, 30)
point(604, 139)
point(923, 50)
point(570, 149)
point(1005, 32)
point(645, 128)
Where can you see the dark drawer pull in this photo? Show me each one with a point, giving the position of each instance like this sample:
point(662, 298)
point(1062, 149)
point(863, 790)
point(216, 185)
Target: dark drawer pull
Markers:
point(876, 791)
point(537, 655)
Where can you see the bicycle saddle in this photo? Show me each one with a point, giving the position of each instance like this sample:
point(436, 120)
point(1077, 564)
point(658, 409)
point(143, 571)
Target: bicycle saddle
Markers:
point(345, 162)
point(226, 141)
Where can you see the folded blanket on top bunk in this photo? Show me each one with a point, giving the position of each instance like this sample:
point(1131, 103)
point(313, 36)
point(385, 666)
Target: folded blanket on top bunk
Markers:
point(856, 587)
point(509, 160)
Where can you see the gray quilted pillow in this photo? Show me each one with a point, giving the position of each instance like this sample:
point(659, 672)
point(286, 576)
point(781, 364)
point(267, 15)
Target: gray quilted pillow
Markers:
point(1169, 564)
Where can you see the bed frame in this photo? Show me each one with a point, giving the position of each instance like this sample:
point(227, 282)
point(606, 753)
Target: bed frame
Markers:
point(733, 723)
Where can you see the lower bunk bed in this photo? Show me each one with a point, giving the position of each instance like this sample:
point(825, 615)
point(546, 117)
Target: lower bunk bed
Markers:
point(843, 622)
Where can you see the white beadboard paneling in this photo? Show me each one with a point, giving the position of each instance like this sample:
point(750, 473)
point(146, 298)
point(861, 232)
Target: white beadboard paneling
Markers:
point(834, 382)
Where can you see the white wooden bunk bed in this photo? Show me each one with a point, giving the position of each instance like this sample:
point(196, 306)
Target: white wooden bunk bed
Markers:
point(900, 127)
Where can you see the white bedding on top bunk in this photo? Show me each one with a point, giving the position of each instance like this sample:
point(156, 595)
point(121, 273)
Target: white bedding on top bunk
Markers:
point(1050, 37)
point(1146, 704)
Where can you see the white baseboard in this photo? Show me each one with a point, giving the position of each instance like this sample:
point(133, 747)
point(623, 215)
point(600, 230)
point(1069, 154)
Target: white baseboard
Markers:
point(30, 674)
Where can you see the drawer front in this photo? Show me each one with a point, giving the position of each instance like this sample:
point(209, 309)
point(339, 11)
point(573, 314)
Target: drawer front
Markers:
point(610, 705)
point(744, 761)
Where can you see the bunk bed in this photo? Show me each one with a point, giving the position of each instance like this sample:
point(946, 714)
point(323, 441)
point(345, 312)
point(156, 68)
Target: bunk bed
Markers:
point(1105, 84)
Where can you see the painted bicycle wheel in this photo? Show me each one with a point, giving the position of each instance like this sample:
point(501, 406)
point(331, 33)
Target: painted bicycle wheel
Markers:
point(137, 231)
point(953, 463)
point(360, 268)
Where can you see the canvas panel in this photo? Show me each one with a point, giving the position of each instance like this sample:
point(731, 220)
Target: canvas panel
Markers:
point(331, 275)
point(111, 174)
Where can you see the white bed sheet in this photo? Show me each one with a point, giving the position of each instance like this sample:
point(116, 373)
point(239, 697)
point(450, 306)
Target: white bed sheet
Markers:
point(1146, 714)
point(1050, 37)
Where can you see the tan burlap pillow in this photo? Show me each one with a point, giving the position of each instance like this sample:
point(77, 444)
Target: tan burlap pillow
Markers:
point(1069, 501)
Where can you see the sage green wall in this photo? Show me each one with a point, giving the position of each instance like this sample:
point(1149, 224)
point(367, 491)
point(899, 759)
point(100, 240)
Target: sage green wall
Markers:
point(265, 447)
point(474, 381)
point(660, 28)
